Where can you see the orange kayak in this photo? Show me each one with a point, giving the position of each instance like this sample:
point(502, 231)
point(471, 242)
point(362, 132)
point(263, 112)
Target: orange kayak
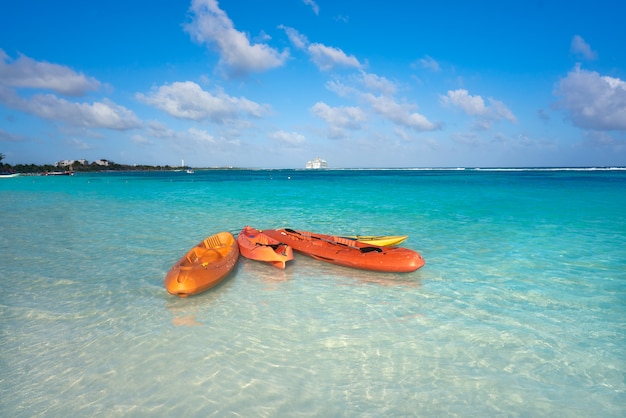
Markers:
point(255, 245)
point(349, 253)
point(204, 266)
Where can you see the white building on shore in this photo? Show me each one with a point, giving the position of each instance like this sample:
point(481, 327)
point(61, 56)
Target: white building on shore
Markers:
point(317, 163)
point(67, 163)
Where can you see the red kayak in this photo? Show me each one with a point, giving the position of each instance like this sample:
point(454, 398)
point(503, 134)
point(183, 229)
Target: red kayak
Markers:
point(255, 245)
point(347, 252)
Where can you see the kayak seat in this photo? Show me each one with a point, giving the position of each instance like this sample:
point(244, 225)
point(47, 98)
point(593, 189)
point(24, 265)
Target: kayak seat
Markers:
point(212, 242)
point(210, 256)
point(192, 256)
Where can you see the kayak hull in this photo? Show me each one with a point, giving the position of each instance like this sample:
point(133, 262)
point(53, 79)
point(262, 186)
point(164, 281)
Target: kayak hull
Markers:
point(256, 245)
point(204, 266)
point(349, 253)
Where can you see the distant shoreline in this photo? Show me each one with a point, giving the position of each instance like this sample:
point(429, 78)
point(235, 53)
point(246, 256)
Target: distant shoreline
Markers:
point(71, 167)
point(47, 169)
point(157, 169)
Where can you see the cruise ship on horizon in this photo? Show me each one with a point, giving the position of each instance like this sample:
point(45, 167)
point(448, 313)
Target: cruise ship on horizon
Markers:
point(317, 163)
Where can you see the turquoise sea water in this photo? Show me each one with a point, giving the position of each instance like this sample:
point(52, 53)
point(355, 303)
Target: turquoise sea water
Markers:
point(520, 310)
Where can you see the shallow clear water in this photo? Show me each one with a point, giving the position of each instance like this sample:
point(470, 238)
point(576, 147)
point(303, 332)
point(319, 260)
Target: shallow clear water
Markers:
point(519, 311)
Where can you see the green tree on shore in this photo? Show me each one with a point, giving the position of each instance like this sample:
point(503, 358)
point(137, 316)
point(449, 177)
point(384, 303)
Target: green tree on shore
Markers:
point(78, 166)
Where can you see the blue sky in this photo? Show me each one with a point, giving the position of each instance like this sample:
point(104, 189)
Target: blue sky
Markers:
point(272, 84)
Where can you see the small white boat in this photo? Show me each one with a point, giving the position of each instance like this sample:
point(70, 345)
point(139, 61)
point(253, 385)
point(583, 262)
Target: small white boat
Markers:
point(188, 170)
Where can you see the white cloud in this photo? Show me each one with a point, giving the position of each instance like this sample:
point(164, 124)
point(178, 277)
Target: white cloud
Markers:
point(482, 124)
point(296, 38)
point(582, 49)
point(160, 130)
point(187, 100)
point(430, 64)
point(287, 138)
point(210, 25)
point(472, 105)
point(342, 89)
point(314, 6)
point(324, 57)
point(25, 72)
point(193, 140)
point(28, 73)
point(377, 83)
point(384, 105)
point(402, 134)
point(339, 118)
point(476, 106)
point(104, 114)
point(500, 111)
point(342, 116)
point(327, 58)
point(200, 136)
point(262, 37)
point(399, 113)
point(593, 101)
